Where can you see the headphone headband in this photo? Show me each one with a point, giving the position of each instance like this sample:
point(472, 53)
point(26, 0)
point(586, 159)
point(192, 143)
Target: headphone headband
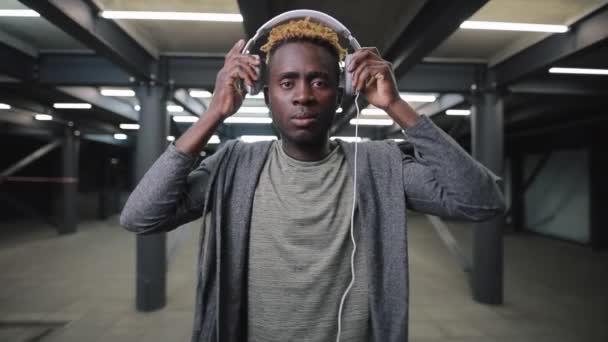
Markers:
point(320, 17)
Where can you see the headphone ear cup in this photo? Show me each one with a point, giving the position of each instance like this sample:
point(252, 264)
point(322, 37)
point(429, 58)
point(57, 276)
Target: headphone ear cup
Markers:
point(258, 85)
point(349, 90)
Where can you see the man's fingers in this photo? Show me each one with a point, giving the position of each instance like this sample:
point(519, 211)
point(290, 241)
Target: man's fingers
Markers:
point(239, 72)
point(361, 55)
point(235, 49)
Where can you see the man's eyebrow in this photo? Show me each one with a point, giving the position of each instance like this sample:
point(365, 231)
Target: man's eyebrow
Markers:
point(309, 75)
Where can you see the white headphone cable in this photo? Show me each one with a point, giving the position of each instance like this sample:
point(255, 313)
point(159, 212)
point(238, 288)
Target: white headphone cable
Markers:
point(352, 223)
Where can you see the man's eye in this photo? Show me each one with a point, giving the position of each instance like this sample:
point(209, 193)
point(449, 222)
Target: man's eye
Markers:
point(286, 84)
point(319, 83)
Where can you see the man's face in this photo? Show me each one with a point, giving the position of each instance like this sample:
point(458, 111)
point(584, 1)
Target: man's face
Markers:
point(303, 92)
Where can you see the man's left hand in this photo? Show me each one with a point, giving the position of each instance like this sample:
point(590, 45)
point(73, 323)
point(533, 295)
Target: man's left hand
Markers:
point(374, 77)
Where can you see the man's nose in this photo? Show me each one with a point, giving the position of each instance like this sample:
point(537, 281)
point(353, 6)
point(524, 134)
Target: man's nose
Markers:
point(303, 95)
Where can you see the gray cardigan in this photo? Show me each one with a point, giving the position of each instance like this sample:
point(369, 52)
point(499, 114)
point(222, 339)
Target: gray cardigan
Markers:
point(429, 173)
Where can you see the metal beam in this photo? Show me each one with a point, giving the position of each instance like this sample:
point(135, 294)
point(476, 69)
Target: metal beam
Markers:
point(588, 32)
point(420, 38)
point(560, 86)
point(255, 14)
point(440, 78)
point(442, 104)
point(194, 72)
point(80, 19)
point(92, 96)
point(192, 105)
point(81, 70)
point(16, 64)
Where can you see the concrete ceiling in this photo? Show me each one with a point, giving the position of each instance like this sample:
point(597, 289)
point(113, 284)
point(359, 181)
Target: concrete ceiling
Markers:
point(174, 37)
point(492, 46)
point(36, 32)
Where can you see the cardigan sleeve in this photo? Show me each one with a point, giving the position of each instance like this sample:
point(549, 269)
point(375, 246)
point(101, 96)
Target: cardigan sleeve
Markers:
point(441, 178)
point(171, 193)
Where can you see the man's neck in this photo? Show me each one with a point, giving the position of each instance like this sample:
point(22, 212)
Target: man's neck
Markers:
point(306, 152)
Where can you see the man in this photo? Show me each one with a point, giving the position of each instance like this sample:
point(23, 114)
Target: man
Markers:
point(275, 247)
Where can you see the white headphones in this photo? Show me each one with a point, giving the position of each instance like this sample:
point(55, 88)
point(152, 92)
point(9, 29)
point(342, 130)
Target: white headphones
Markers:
point(331, 22)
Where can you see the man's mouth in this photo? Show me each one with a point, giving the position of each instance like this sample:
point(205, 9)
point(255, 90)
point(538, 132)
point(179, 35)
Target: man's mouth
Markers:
point(304, 119)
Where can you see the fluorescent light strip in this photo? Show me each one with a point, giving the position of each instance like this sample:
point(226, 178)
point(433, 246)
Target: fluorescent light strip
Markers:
point(254, 138)
point(175, 108)
point(185, 118)
point(189, 16)
point(202, 94)
point(247, 120)
point(504, 26)
point(347, 139)
point(129, 126)
point(18, 13)
point(579, 71)
point(214, 140)
point(373, 111)
point(253, 110)
point(72, 105)
point(120, 136)
point(458, 112)
point(427, 98)
point(43, 117)
point(118, 92)
point(170, 138)
point(256, 96)
point(5, 106)
point(372, 122)
point(398, 140)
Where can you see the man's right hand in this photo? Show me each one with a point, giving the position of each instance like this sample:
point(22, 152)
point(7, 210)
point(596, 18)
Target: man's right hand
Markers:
point(227, 96)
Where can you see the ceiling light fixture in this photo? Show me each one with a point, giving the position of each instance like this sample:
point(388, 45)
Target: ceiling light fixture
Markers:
point(170, 138)
point(214, 140)
point(185, 118)
point(129, 126)
point(137, 108)
point(43, 117)
point(5, 106)
point(458, 112)
point(373, 111)
point(504, 26)
point(372, 122)
point(347, 139)
point(118, 92)
point(579, 71)
point(418, 97)
point(18, 13)
point(72, 105)
point(247, 120)
point(256, 96)
point(253, 110)
point(120, 136)
point(189, 16)
point(202, 94)
point(254, 138)
point(175, 108)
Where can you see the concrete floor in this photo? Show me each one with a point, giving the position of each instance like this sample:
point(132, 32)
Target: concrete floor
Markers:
point(80, 287)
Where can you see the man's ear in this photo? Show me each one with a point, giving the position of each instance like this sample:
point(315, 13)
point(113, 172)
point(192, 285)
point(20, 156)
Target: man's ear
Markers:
point(266, 97)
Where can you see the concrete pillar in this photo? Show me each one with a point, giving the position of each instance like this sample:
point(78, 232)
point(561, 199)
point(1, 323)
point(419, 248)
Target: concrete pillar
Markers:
point(68, 220)
point(151, 252)
point(487, 136)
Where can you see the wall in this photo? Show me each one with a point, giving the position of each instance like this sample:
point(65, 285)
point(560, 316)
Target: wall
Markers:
point(557, 202)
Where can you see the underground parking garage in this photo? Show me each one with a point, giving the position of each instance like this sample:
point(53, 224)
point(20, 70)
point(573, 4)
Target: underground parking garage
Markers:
point(511, 93)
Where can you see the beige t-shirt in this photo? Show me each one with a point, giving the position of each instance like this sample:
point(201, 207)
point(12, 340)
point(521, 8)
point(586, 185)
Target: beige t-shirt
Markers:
point(299, 253)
